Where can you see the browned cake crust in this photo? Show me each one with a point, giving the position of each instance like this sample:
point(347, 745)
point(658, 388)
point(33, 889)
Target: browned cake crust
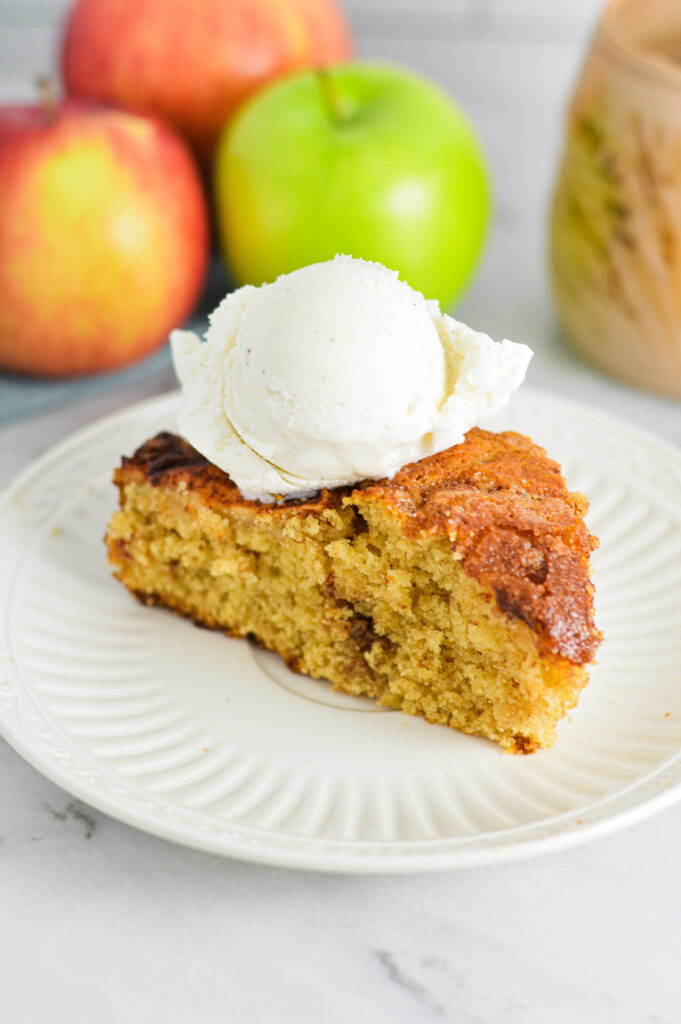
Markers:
point(498, 497)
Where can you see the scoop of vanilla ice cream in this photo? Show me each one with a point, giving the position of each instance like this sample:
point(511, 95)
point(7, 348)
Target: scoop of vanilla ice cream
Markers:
point(332, 374)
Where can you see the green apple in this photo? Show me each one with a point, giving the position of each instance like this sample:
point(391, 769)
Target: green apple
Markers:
point(363, 159)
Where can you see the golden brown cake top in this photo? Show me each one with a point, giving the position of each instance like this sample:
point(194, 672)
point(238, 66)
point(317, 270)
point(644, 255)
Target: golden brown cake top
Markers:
point(500, 500)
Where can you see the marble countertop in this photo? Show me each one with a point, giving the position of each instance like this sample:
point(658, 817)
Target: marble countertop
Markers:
point(99, 922)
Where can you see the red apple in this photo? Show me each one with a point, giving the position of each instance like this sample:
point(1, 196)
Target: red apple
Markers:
point(194, 61)
point(104, 237)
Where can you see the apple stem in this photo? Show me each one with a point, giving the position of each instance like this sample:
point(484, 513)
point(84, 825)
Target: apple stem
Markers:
point(46, 95)
point(334, 100)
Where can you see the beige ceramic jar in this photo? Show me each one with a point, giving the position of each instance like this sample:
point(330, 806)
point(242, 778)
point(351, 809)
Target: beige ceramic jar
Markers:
point(616, 218)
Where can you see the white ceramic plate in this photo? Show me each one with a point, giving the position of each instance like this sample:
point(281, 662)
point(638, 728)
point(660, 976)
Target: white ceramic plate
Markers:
point(210, 742)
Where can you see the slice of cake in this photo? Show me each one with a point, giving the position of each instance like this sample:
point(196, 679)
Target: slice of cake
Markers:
point(457, 590)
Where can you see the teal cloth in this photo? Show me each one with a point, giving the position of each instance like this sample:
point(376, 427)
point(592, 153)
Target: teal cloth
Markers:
point(22, 396)
point(33, 396)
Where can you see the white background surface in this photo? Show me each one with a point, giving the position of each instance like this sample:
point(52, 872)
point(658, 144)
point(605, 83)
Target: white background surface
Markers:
point(101, 923)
